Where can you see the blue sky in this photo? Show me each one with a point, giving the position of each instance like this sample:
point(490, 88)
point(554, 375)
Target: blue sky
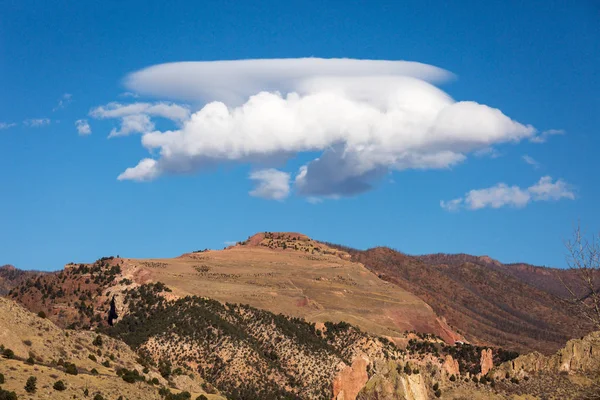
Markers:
point(61, 200)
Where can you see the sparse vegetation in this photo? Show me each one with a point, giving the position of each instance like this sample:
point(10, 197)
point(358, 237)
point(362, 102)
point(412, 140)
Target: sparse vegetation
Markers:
point(31, 384)
point(59, 385)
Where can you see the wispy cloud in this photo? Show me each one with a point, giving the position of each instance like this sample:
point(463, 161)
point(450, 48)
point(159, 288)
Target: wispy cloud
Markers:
point(531, 161)
point(502, 195)
point(136, 117)
point(489, 152)
point(7, 125)
point(83, 127)
point(271, 184)
point(129, 94)
point(63, 101)
point(37, 122)
point(542, 137)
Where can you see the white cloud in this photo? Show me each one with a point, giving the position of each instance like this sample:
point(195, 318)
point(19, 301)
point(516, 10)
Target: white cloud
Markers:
point(542, 137)
point(6, 125)
point(229, 243)
point(451, 205)
point(365, 117)
point(37, 122)
point(83, 127)
point(144, 171)
point(232, 82)
point(487, 152)
point(63, 101)
point(270, 184)
point(502, 195)
point(129, 94)
point(531, 161)
point(135, 117)
point(546, 190)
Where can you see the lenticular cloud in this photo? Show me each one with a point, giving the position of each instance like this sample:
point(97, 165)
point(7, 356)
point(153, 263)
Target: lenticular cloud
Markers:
point(365, 117)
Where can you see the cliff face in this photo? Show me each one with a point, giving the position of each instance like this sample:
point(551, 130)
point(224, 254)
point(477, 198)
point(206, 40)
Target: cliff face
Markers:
point(578, 356)
point(389, 384)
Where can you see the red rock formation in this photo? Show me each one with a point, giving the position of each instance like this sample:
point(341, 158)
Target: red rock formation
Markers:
point(487, 361)
point(351, 380)
point(451, 366)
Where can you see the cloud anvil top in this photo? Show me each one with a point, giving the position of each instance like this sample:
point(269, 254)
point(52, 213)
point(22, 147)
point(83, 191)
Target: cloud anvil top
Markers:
point(366, 117)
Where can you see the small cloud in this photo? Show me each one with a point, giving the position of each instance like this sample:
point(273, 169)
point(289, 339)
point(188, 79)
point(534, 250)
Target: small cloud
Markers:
point(229, 243)
point(542, 137)
point(271, 184)
point(530, 160)
point(6, 125)
point(502, 195)
point(83, 127)
point(314, 200)
point(145, 170)
point(136, 117)
point(63, 101)
point(129, 94)
point(489, 152)
point(451, 205)
point(37, 122)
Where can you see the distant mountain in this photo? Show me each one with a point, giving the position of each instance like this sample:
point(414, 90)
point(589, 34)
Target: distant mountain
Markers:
point(11, 277)
point(544, 278)
point(488, 302)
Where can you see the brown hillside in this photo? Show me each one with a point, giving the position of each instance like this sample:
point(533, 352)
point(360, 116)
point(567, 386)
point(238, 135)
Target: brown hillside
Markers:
point(485, 304)
point(547, 279)
point(52, 348)
point(11, 277)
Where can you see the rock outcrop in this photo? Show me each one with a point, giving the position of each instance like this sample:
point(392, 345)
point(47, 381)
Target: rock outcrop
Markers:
point(351, 380)
point(487, 361)
point(450, 366)
point(390, 384)
point(578, 356)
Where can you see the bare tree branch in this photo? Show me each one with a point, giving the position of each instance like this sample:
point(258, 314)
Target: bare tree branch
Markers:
point(583, 258)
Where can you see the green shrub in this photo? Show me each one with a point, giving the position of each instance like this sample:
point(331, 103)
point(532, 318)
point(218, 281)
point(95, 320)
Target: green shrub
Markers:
point(436, 386)
point(202, 397)
point(97, 341)
point(6, 395)
point(98, 396)
point(94, 371)
point(31, 384)
point(452, 378)
point(438, 393)
point(106, 364)
point(93, 358)
point(42, 314)
point(30, 361)
point(71, 368)
point(1, 379)
point(59, 385)
point(8, 353)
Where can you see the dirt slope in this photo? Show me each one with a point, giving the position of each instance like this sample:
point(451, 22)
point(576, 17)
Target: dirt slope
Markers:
point(295, 276)
point(486, 304)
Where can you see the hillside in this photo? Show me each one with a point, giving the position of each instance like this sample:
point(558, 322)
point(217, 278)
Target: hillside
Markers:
point(281, 316)
point(11, 277)
point(478, 297)
point(83, 360)
point(543, 278)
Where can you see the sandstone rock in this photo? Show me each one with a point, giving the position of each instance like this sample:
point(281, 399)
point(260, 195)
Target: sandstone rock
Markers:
point(450, 366)
point(487, 361)
point(351, 380)
point(389, 384)
point(578, 356)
